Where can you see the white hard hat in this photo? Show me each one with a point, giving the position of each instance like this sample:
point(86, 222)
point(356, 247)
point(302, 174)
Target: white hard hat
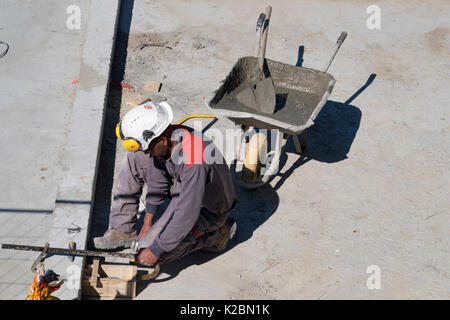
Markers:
point(142, 124)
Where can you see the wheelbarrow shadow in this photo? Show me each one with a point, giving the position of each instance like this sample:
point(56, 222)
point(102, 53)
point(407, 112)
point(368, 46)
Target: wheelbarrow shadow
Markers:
point(330, 138)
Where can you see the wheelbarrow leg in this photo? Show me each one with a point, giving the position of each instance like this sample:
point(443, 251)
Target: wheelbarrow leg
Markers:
point(242, 133)
point(275, 161)
point(304, 134)
point(298, 147)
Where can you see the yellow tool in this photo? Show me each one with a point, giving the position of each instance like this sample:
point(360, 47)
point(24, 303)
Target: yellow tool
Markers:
point(133, 145)
point(72, 246)
point(194, 116)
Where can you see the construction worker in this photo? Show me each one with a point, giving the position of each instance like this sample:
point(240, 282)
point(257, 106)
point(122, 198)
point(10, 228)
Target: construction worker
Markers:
point(170, 160)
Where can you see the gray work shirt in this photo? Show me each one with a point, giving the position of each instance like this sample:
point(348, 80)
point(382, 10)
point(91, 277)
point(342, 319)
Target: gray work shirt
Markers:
point(201, 191)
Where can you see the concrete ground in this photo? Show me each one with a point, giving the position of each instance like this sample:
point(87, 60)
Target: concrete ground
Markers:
point(53, 84)
point(37, 74)
point(370, 190)
point(372, 186)
point(37, 94)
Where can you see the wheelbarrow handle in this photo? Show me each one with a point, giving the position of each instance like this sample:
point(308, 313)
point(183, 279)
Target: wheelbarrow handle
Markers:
point(259, 28)
point(339, 42)
point(262, 52)
point(341, 38)
point(260, 22)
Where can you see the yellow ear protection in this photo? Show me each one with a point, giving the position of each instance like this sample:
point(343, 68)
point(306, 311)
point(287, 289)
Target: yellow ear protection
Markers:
point(129, 144)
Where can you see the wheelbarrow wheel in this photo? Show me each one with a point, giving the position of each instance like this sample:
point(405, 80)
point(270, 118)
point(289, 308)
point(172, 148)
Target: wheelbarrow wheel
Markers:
point(256, 150)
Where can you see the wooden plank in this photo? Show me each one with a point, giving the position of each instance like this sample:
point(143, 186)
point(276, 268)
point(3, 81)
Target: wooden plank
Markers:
point(94, 275)
point(152, 86)
point(120, 272)
point(108, 287)
point(137, 100)
point(112, 280)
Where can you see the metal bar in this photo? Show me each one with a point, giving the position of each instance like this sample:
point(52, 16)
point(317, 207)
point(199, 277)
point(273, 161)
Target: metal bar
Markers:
point(239, 132)
point(39, 259)
point(242, 149)
point(73, 252)
point(274, 164)
point(339, 42)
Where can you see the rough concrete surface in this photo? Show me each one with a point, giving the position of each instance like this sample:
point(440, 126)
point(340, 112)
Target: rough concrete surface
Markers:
point(372, 186)
point(79, 161)
point(55, 88)
point(370, 189)
point(37, 94)
point(36, 74)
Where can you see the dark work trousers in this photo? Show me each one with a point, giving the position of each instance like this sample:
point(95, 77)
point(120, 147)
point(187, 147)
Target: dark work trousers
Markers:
point(205, 231)
point(132, 176)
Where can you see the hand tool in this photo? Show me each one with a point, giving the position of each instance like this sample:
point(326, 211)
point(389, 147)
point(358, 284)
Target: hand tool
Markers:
point(86, 253)
point(260, 93)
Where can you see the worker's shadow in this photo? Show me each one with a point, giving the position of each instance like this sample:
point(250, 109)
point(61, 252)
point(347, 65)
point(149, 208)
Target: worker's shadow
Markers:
point(254, 208)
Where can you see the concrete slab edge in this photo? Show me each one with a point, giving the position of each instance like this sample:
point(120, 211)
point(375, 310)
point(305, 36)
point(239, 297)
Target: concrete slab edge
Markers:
point(79, 163)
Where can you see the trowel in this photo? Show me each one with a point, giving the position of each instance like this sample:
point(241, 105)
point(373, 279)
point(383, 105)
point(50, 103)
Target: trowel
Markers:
point(260, 93)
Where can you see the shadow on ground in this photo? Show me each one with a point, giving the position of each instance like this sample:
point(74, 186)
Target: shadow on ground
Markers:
point(329, 140)
point(105, 178)
point(254, 208)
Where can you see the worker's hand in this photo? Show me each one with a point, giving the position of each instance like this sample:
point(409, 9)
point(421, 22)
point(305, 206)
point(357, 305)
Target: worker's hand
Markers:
point(146, 257)
point(148, 220)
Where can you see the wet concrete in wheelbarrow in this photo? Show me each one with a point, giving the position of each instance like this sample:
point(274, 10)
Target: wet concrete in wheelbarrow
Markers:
point(298, 92)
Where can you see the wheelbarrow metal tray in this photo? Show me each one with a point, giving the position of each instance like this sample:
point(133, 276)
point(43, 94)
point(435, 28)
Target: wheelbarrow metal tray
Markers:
point(300, 95)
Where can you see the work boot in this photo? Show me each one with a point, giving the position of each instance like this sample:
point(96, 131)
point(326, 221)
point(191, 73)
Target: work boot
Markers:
point(227, 232)
point(113, 239)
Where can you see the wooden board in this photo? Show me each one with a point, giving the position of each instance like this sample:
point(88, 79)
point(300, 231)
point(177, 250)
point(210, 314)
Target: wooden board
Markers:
point(252, 165)
point(137, 100)
point(111, 281)
point(152, 86)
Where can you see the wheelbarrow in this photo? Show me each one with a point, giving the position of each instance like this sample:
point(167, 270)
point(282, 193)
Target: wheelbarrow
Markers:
point(300, 95)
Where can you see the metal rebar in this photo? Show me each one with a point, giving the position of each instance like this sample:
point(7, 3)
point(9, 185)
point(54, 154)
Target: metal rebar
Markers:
point(73, 252)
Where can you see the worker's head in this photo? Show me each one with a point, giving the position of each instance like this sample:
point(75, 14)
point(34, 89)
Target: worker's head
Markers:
point(161, 146)
point(142, 128)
